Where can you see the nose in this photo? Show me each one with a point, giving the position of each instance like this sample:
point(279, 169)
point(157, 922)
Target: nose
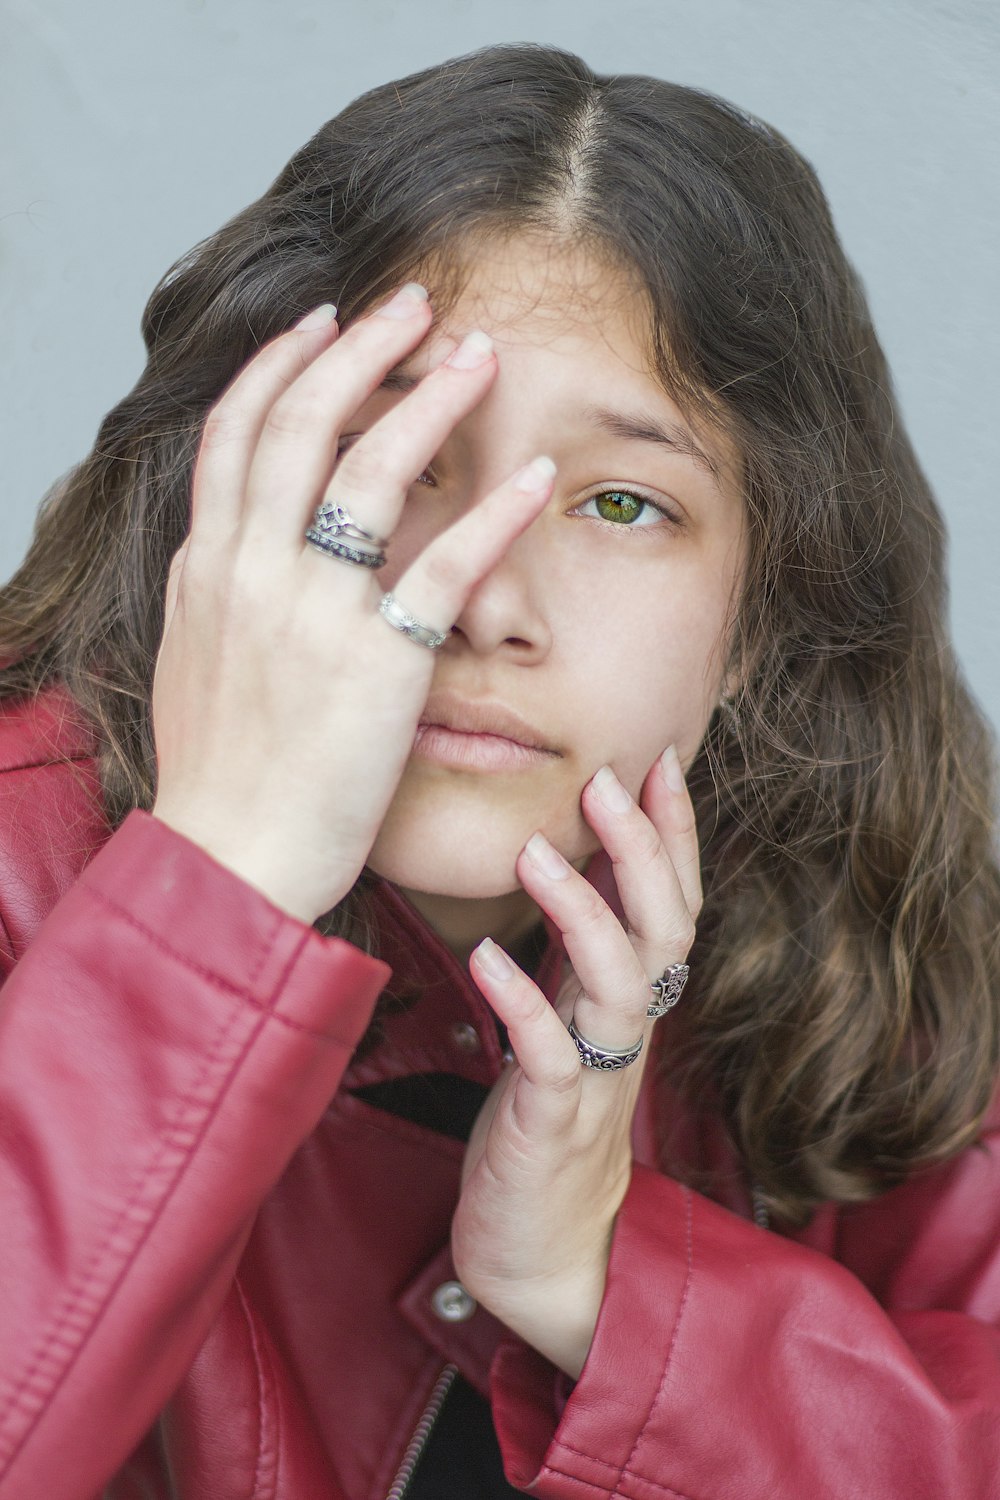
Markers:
point(507, 612)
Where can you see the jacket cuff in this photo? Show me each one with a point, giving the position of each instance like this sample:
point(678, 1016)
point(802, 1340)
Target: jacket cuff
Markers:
point(198, 912)
point(571, 1446)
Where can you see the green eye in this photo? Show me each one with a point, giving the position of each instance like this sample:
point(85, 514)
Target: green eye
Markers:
point(627, 511)
point(619, 505)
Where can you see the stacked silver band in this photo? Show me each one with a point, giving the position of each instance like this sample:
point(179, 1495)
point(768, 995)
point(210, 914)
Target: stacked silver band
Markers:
point(334, 547)
point(331, 524)
point(335, 531)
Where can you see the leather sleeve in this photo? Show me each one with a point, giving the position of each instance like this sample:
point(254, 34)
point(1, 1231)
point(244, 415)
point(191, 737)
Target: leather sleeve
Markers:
point(730, 1363)
point(167, 1041)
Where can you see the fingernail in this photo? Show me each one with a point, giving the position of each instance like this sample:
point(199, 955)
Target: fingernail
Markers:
point(611, 792)
point(536, 475)
point(670, 765)
point(494, 961)
point(545, 858)
point(474, 350)
point(407, 301)
point(320, 317)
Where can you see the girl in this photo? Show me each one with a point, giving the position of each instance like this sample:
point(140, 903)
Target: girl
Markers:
point(353, 1143)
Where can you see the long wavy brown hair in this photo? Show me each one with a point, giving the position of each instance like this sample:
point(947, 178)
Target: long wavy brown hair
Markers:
point(846, 1015)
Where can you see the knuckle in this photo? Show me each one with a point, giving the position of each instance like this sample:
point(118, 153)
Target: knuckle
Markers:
point(290, 417)
point(564, 1077)
point(364, 470)
point(221, 427)
point(593, 909)
point(648, 844)
point(687, 825)
point(191, 570)
point(247, 584)
point(684, 934)
point(444, 572)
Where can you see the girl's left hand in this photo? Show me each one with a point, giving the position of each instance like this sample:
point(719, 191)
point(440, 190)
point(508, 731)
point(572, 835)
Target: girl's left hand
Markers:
point(550, 1158)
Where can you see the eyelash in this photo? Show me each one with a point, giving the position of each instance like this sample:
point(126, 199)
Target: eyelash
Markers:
point(427, 478)
point(665, 515)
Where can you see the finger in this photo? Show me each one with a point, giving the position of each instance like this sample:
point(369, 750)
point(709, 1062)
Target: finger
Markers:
point(611, 1011)
point(436, 586)
point(375, 474)
point(297, 450)
point(658, 919)
point(544, 1050)
point(234, 424)
point(667, 802)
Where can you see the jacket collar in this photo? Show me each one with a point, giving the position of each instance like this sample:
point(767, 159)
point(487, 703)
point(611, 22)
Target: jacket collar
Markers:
point(432, 1018)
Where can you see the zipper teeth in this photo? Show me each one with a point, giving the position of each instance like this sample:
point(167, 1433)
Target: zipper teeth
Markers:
point(422, 1432)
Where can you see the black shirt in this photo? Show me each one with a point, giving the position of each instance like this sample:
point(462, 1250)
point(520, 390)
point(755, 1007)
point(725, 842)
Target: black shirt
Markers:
point(461, 1457)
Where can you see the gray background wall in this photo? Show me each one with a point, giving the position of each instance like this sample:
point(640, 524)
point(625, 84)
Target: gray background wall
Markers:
point(131, 128)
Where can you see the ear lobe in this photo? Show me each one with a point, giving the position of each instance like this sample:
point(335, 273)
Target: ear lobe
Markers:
point(731, 687)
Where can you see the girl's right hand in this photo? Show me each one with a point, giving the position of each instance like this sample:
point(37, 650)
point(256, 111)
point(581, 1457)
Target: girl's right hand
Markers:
point(284, 705)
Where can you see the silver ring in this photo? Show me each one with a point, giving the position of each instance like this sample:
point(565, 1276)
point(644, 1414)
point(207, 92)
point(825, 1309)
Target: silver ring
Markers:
point(667, 990)
point(400, 619)
point(333, 547)
point(608, 1059)
point(333, 520)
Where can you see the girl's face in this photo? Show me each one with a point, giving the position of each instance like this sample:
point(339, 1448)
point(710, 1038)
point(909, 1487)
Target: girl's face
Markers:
point(604, 628)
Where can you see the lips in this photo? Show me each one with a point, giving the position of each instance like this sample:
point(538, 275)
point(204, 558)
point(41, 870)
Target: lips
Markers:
point(471, 717)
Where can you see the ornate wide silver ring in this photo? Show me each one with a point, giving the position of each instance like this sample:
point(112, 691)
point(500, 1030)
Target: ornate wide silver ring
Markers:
point(607, 1059)
point(400, 619)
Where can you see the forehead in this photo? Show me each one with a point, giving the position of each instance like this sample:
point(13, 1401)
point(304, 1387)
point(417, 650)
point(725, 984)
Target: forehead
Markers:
point(540, 291)
point(573, 323)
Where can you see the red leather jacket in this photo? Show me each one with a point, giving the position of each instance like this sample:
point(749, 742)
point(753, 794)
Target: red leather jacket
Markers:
point(218, 1264)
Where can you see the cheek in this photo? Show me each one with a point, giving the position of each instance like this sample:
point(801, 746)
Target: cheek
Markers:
point(651, 662)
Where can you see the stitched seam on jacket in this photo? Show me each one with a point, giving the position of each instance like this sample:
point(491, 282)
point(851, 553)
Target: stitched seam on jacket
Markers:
point(258, 1492)
point(265, 1007)
point(590, 1457)
point(664, 1489)
point(154, 937)
point(689, 1252)
point(75, 1339)
point(8, 945)
point(588, 1484)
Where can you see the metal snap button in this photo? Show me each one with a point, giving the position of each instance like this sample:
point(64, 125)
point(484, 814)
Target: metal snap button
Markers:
point(452, 1303)
point(465, 1036)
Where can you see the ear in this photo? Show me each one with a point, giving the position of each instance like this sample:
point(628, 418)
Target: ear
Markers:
point(729, 689)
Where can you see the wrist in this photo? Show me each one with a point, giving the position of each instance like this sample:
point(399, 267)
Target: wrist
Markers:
point(249, 860)
point(556, 1315)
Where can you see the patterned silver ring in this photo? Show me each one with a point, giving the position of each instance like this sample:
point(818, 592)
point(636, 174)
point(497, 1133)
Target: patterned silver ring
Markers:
point(667, 990)
point(334, 547)
point(400, 619)
point(332, 519)
point(608, 1059)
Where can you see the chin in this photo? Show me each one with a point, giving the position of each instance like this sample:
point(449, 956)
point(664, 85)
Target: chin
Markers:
point(475, 868)
point(461, 837)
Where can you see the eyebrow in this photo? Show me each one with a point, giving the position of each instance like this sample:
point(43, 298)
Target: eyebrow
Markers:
point(637, 427)
point(397, 381)
point(642, 428)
